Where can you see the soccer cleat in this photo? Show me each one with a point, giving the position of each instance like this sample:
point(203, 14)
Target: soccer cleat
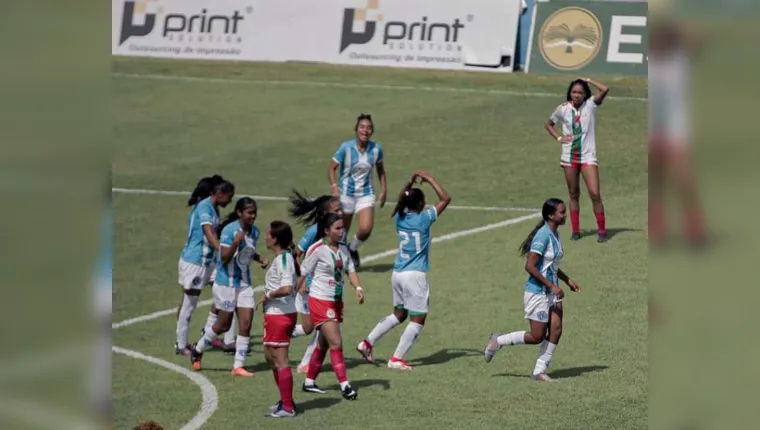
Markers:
point(313, 388)
point(355, 258)
point(349, 393)
point(492, 347)
point(240, 371)
point(303, 368)
point(601, 237)
point(280, 412)
point(398, 364)
point(575, 236)
point(195, 358)
point(275, 406)
point(181, 351)
point(365, 349)
point(543, 377)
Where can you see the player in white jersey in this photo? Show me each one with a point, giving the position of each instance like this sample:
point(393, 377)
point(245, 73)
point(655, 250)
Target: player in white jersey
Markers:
point(280, 314)
point(543, 296)
point(326, 261)
point(233, 290)
point(411, 292)
point(198, 258)
point(671, 46)
point(309, 212)
point(577, 116)
point(354, 161)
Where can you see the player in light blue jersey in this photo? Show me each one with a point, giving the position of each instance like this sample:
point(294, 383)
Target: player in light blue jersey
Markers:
point(354, 161)
point(233, 288)
point(411, 292)
point(309, 212)
point(543, 296)
point(197, 260)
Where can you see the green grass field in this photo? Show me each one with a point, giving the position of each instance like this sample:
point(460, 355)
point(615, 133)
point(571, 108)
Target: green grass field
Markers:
point(273, 127)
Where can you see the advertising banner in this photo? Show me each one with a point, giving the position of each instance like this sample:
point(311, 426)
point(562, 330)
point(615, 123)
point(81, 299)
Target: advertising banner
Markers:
point(590, 37)
point(196, 29)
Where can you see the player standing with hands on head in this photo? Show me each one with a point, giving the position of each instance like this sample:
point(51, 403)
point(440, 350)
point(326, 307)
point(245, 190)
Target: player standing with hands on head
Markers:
point(411, 292)
point(543, 296)
point(578, 119)
point(355, 160)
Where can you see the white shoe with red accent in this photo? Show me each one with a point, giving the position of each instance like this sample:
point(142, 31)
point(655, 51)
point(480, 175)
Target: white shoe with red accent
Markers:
point(399, 364)
point(365, 349)
point(543, 377)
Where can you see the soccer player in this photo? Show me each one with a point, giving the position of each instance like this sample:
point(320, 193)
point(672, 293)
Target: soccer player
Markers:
point(543, 296)
point(280, 314)
point(355, 160)
point(232, 290)
point(411, 292)
point(326, 261)
point(309, 213)
point(197, 260)
point(578, 119)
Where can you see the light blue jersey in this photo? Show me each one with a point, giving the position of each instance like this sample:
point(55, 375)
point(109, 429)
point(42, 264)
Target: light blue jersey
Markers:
point(414, 240)
point(197, 248)
point(355, 167)
point(237, 273)
point(548, 246)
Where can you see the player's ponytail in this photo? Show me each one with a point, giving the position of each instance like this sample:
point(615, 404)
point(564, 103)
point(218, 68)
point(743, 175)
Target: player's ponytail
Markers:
point(307, 211)
point(235, 215)
point(547, 210)
point(204, 189)
point(412, 199)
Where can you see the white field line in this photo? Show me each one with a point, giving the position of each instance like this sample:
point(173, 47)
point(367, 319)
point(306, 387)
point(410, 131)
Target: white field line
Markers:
point(210, 397)
point(350, 85)
point(366, 259)
point(278, 198)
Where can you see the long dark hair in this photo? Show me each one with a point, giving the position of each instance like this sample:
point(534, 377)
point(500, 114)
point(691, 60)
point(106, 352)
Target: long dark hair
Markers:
point(326, 222)
point(361, 117)
point(233, 216)
point(204, 189)
point(582, 83)
point(549, 208)
point(413, 199)
point(283, 235)
point(308, 211)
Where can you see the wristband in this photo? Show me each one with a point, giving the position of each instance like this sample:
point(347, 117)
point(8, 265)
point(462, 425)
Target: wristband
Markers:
point(559, 139)
point(268, 295)
point(360, 289)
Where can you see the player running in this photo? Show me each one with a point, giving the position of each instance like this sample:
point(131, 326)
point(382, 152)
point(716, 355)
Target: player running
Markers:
point(543, 296)
point(355, 159)
point(198, 258)
point(309, 213)
point(411, 292)
point(326, 261)
point(578, 118)
point(280, 314)
point(232, 288)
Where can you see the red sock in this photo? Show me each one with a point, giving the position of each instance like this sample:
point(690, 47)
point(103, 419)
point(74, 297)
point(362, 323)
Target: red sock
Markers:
point(285, 375)
point(276, 378)
point(575, 220)
point(338, 365)
point(600, 222)
point(315, 364)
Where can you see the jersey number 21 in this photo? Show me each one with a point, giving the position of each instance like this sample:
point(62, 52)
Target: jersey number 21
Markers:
point(404, 236)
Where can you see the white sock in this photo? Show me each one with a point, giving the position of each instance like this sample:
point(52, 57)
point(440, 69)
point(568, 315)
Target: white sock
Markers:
point(205, 342)
point(386, 324)
point(308, 381)
point(545, 355)
point(189, 303)
point(310, 349)
point(354, 245)
point(210, 321)
point(344, 384)
point(514, 338)
point(241, 350)
point(229, 337)
point(298, 331)
point(408, 337)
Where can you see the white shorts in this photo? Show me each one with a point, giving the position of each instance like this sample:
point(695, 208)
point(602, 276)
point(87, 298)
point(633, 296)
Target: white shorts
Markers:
point(537, 306)
point(411, 291)
point(195, 277)
point(229, 298)
point(350, 205)
point(302, 303)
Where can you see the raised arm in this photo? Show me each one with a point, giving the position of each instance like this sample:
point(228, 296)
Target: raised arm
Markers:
point(443, 196)
point(602, 93)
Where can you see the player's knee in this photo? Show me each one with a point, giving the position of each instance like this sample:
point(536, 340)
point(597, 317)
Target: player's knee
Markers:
point(244, 327)
point(595, 196)
point(400, 314)
point(537, 336)
point(556, 329)
point(575, 193)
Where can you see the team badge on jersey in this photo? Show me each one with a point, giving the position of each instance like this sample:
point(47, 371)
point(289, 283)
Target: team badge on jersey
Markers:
point(543, 316)
point(197, 281)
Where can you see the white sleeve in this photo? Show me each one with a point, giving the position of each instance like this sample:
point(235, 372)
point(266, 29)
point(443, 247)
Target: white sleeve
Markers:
point(557, 116)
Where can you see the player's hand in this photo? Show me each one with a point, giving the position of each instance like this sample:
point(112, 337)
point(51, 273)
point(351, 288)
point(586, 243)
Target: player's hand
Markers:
point(260, 301)
point(557, 291)
point(335, 191)
point(423, 175)
point(574, 287)
point(383, 196)
point(566, 139)
point(264, 262)
point(360, 295)
point(240, 236)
